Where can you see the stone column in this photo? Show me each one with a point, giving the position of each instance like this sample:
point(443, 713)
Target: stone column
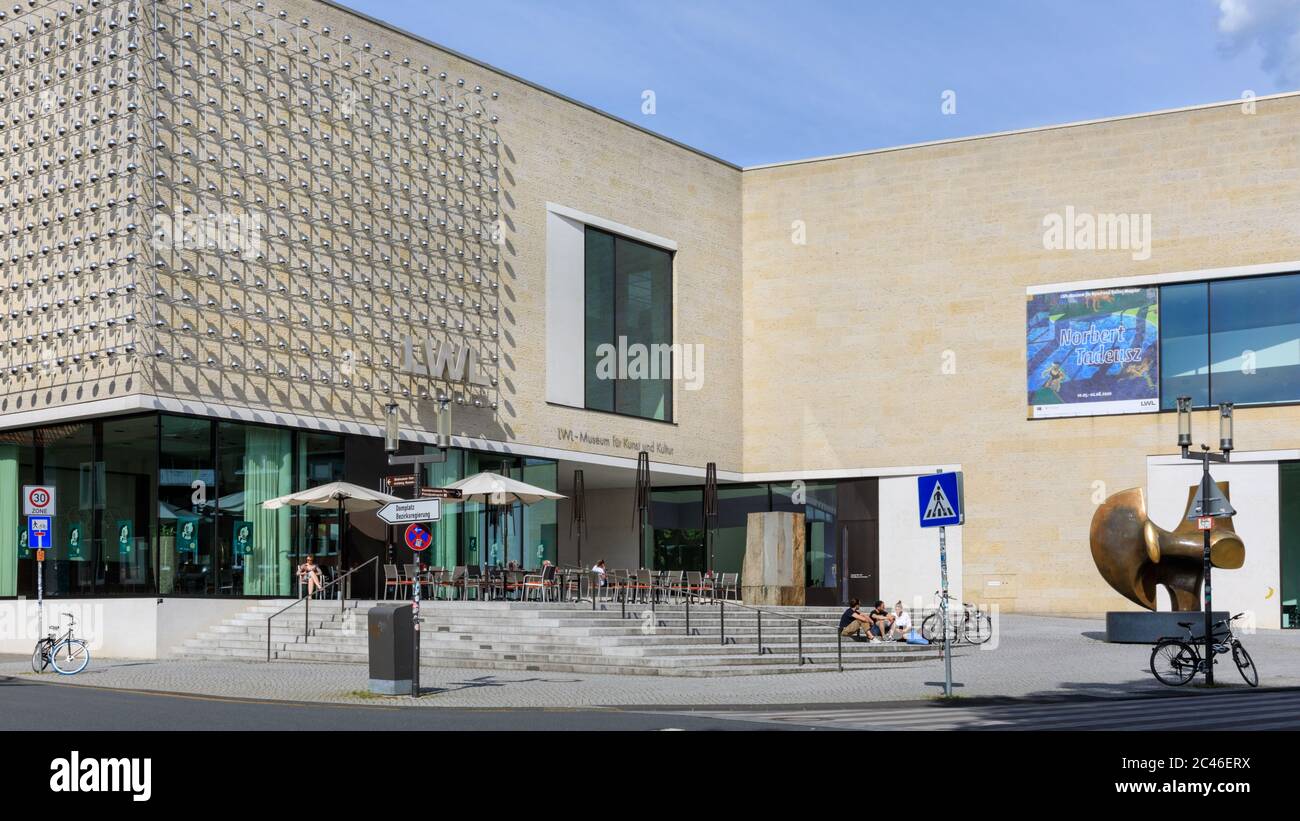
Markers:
point(773, 572)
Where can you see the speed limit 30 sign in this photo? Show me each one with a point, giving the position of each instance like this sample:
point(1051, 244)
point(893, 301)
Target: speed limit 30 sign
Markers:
point(39, 500)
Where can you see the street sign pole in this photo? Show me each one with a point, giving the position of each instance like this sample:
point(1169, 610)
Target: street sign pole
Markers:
point(415, 588)
point(1205, 559)
point(40, 595)
point(943, 605)
point(939, 495)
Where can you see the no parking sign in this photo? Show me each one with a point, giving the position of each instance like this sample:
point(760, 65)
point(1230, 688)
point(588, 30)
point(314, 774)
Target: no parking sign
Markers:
point(418, 537)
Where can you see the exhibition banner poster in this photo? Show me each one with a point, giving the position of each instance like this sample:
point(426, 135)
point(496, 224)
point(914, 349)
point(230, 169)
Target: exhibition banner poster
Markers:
point(1093, 353)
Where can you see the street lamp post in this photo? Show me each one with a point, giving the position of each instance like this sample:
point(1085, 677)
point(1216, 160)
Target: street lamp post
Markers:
point(1204, 505)
point(417, 461)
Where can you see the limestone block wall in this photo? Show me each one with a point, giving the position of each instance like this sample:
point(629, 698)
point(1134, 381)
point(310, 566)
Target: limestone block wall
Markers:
point(910, 290)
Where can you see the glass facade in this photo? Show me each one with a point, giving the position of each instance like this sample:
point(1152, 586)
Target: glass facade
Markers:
point(680, 540)
point(172, 505)
point(628, 333)
point(1232, 340)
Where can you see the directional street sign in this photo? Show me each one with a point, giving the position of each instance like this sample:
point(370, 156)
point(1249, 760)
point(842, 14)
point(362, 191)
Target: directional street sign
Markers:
point(441, 492)
point(420, 510)
point(939, 495)
point(38, 532)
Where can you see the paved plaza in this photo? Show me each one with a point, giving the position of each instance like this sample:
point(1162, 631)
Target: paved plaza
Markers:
point(1031, 657)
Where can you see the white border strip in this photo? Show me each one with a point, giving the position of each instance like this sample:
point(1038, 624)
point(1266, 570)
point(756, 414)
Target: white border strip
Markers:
point(144, 402)
point(1034, 129)
point(611, 226)
point(1166, 278)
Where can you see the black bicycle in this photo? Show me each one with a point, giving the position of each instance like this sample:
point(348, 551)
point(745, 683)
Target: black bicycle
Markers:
point(973, 624)
point(1176, 661)
point(67, 654)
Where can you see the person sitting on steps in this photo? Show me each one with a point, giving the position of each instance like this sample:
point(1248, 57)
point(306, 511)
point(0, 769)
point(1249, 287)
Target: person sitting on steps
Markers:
point(853, 623)
point(882, 621)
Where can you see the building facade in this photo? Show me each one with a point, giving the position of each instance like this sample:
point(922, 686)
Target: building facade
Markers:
point(236, 234)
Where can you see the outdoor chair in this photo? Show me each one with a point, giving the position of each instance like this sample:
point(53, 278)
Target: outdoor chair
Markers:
point(474, 579)
point(411, 574)
point(642, 585)
point(570, 583)
point(694, 585)
point(393, 581)
point(432, 577)
point(495, 583)
point(543, 582)
point(673, 581)
point(619, 584)
point(455, 582)
point(730, 586)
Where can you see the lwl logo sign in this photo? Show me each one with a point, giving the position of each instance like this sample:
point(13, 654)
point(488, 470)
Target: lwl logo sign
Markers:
point(444, 361)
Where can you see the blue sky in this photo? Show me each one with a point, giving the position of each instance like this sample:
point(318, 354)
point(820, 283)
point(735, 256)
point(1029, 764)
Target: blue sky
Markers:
point(758, 81)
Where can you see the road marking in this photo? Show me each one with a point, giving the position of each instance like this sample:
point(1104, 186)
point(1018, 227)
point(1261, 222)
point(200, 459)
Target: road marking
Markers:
point(1244, 709)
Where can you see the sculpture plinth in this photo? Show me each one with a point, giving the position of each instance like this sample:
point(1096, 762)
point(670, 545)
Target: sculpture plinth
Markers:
point(773, 572)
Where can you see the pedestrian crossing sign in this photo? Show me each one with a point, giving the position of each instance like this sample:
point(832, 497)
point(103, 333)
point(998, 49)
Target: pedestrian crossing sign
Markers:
point(939, 498)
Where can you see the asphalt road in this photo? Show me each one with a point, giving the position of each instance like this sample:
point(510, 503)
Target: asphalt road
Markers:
point(32, 705)
point(48, 705)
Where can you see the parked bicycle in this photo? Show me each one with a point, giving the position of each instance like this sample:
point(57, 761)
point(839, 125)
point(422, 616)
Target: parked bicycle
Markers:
point(67, 654)
point(972, 624)
point(1176, 661)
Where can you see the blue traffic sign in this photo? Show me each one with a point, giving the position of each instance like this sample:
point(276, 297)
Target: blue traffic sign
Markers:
point(38, 532)
point(418, 537)
point(939, 498)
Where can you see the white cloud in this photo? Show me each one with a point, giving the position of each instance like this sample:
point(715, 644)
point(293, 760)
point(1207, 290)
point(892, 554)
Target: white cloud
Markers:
point(1271, 25)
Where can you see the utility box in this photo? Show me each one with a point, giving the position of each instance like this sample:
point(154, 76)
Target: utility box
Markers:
point(392, 651)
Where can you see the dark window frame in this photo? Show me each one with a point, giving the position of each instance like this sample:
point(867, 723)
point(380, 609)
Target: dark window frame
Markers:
point(670, 405)
point(1209, 337)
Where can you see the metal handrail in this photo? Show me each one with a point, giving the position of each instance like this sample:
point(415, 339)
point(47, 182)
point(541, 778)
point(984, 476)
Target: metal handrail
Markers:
point(722, 623)
point(305, 600)
point(799, 620)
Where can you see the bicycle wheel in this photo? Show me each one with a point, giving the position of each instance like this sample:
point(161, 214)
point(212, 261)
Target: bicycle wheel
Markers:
point(978, 627)
point(1173, 662)
point(1245, 664)
point(70, 657)
point(930, 628)
point(41, 656)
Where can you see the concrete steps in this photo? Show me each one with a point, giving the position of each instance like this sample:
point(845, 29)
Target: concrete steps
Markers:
point(563, 638)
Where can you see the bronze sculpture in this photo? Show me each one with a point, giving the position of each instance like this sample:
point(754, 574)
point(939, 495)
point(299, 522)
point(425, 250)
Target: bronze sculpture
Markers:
point(1133, 554)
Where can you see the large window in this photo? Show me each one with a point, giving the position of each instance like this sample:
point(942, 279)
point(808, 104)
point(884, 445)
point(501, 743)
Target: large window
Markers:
point(629, 326)
point(173, 505)
point(187, 495)
point(1185, 344)
point(1233, 340)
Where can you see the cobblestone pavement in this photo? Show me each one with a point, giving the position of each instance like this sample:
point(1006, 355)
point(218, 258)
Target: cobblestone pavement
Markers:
point(1034, 656)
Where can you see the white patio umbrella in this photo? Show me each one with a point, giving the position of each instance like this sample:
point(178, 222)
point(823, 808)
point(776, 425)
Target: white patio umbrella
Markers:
point(344, 496)
point(495, 489)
